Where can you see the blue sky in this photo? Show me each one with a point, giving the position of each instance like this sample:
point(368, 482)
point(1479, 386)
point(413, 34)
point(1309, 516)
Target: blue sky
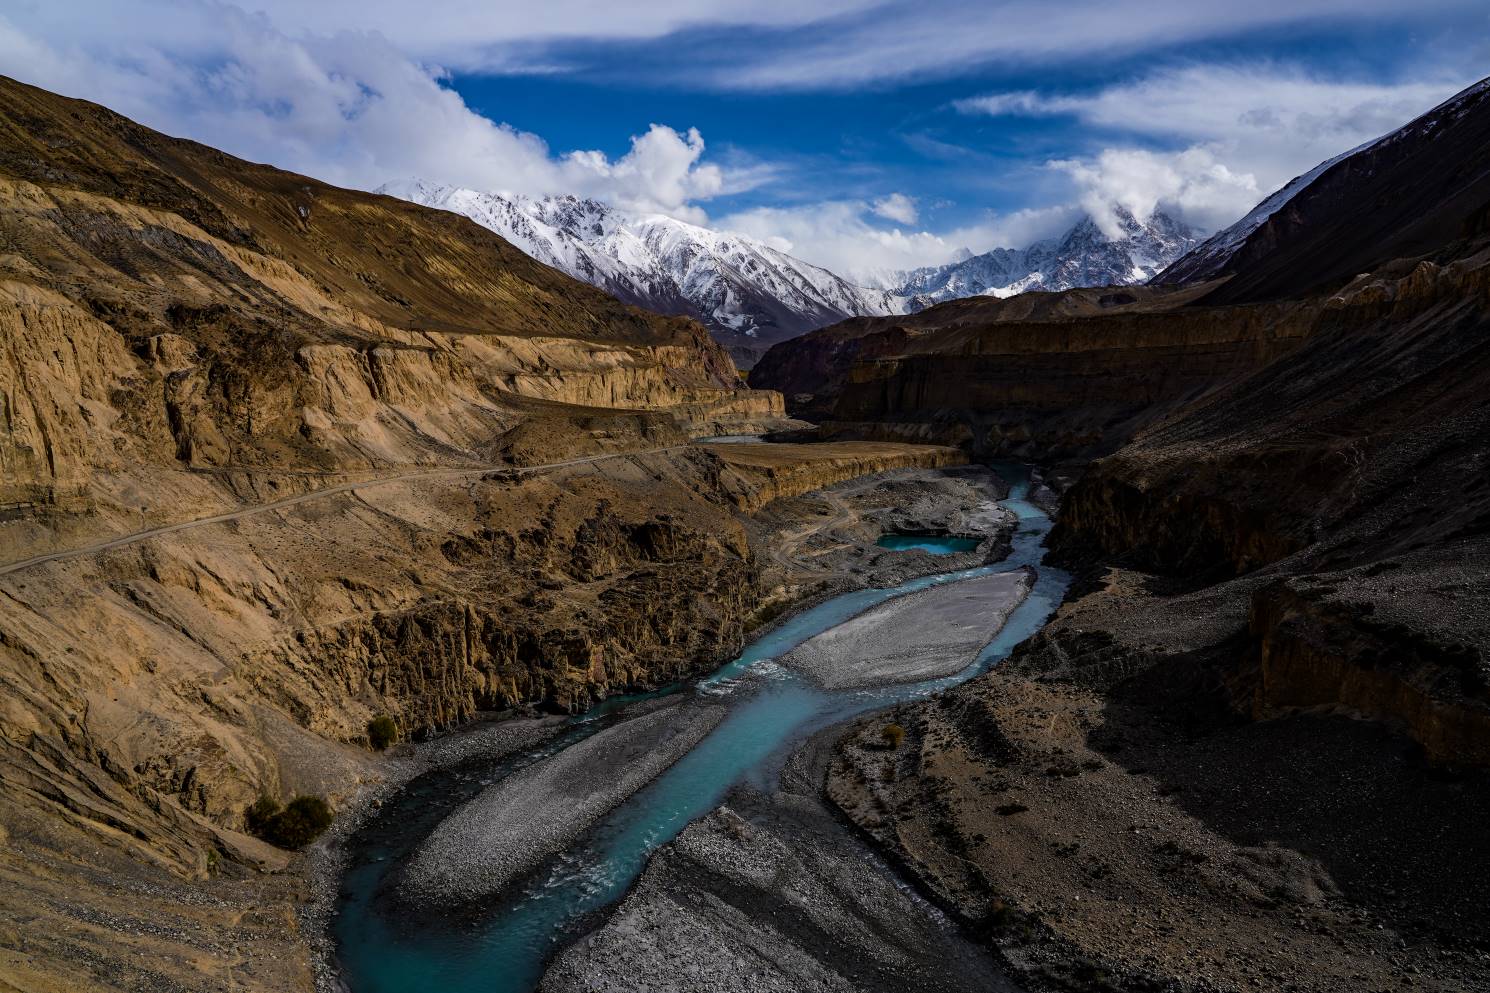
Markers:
point(857, 134)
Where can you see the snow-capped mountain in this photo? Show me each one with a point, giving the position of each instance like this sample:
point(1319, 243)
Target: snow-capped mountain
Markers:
point(1083, 256)
point(749, 294)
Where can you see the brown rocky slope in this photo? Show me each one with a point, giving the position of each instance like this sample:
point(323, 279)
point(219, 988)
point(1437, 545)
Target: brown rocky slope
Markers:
point(188, 345)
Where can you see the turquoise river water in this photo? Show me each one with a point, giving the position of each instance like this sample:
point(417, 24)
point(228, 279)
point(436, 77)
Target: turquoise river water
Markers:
point(505, 948)
point(936, 545)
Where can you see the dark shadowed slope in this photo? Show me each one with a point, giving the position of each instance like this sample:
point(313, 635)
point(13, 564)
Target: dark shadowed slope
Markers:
point(1418, 191)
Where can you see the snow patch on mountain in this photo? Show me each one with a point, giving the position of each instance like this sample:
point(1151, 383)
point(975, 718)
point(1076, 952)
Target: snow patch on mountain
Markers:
point(752, 295)
point(737, 286)
point(1083, 256)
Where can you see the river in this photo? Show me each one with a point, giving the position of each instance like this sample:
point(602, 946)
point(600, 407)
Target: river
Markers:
point(771, 710)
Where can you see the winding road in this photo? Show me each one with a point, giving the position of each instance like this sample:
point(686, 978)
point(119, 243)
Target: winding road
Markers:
point(260, 508)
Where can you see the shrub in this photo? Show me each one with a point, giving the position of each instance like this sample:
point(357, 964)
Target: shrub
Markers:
point(256, 818)
point(893, 735)
point(381, 732)
point(299, 823)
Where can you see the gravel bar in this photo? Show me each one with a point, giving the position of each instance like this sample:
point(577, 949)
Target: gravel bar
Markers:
point(924, 635)
point(511, 827)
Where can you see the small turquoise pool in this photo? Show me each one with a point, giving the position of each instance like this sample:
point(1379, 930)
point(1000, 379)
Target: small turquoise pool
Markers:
point(926, 543)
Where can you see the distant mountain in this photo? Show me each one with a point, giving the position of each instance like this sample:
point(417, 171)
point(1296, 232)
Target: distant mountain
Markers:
point(748, 294)
point(1083, 256)
point(751, 295)
point(1408, 193)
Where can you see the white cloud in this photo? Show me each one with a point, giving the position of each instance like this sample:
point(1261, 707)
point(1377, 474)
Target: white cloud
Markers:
point(290, 85)
point(661, 173)
point(928, 38)
point(842, 235)
point(1207, 193)
point(347, 107)
point(827, 43)
point(896, 207)
point(1247, 129)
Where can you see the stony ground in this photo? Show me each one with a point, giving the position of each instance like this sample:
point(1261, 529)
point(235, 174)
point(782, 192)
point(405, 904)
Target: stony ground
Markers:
point(1114, 825)
point(771, 894)
point(513, 825)
point(823, 542)
point(928, 634)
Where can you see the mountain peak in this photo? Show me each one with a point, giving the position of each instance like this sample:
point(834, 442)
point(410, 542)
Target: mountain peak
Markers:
point(751, 295)
point(1086, 255)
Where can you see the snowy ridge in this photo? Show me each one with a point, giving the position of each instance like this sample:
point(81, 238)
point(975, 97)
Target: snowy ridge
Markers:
point(1083, 256)
point(735, 285)
point(1211, 255)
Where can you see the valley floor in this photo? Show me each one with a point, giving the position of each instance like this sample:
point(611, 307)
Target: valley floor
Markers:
point(1097, 812)
point(770, 890)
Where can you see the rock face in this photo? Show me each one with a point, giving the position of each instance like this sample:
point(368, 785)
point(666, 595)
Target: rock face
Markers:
point(168, 308)
point(1048, 377)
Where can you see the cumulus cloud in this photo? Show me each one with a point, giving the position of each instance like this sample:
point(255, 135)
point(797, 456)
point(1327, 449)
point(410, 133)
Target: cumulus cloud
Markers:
point(896, 207)
point(347, 107)
point(1206, 192)
point(847, 236)
point(660, 174)
point(1245, 130)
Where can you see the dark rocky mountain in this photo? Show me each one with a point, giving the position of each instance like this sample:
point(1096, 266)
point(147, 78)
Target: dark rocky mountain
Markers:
point(1421, 190)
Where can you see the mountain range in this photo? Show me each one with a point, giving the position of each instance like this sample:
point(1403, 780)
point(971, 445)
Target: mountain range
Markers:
point(747, 293)
point(1083, 256)
point(752, 296)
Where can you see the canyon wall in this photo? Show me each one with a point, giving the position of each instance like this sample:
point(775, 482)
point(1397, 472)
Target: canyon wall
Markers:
point(1308, 436)
point(1073, 378)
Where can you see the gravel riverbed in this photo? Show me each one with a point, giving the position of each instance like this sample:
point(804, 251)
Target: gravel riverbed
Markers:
point(509, 828)
point(924, 635)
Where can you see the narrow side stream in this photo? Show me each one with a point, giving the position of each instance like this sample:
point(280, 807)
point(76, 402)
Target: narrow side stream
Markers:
point(505, 949)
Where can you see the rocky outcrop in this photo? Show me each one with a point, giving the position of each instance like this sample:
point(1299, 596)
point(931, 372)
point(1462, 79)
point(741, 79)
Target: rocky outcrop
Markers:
point(172, 314)
point(1068, 379)
point(1314, 651)
point(760, 474)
